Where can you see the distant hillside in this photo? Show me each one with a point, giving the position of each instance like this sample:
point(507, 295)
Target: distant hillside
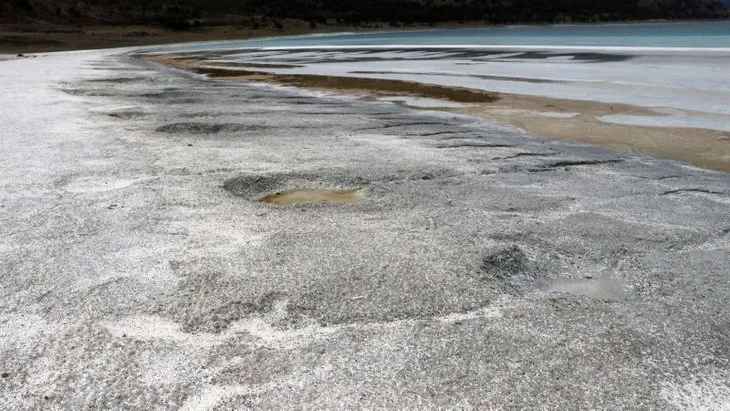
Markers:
point(181, 14)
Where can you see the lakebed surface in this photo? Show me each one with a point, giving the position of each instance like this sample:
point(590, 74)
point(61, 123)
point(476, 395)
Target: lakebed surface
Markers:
point(478, 266)
point(659, 89)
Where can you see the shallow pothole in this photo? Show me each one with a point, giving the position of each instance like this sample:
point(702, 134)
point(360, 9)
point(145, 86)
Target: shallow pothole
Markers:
point(294, 188)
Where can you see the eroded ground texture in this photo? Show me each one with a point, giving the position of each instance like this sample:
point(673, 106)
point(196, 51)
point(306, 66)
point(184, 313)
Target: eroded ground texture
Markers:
point(482, 268)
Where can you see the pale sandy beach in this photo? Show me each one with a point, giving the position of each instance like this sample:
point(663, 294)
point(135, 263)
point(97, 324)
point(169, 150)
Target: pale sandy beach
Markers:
point(159, 250)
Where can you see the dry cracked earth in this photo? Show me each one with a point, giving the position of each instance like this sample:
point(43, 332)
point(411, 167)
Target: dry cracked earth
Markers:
point(482, 268)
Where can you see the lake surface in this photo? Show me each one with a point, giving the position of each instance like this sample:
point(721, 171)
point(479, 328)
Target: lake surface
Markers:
point(713, 34)
point(681, 70)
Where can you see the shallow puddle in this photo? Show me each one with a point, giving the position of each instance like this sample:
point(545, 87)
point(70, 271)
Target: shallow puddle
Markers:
point(601, 289)
point(352, 196)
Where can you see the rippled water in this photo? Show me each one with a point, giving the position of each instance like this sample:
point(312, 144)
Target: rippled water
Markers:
point(714, 34)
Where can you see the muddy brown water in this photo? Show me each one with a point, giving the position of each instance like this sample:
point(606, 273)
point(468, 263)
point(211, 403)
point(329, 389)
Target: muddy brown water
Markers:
point(352, 196)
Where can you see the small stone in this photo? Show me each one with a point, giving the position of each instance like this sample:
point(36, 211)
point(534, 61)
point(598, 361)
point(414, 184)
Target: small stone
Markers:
point(190, 145)
point(5, 375)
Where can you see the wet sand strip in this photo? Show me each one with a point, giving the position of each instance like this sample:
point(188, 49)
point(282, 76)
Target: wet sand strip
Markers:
point(388, 87)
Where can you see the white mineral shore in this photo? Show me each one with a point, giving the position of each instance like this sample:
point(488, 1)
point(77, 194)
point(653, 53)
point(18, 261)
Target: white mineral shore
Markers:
point(483, 267)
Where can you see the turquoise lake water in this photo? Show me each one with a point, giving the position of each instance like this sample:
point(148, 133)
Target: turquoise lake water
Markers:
point(713, 34)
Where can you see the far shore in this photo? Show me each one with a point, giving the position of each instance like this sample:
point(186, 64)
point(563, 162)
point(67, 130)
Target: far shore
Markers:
point(29, 38)
point(26, 39)
point(546, 117)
